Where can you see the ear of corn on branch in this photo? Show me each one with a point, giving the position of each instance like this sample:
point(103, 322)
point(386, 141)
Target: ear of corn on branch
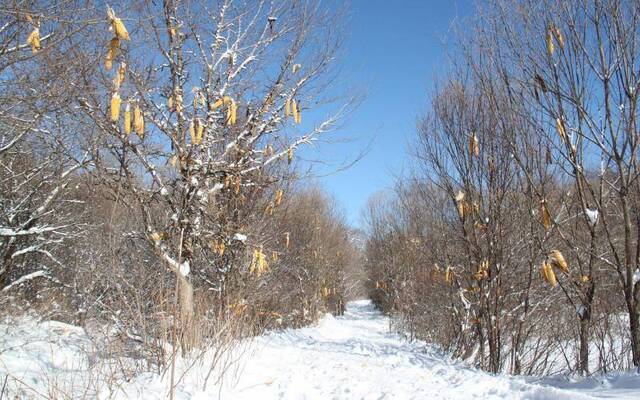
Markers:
point(549, 40)
point(278, 198)
point(112, 51)
point(259, 264)
point(561, 130)
point(559, 37)
point(34, 40)
point(115, 106)
point(545, 215)
point(548, 274)
point(287, 108)
point(117, 25)
point(448, 276)
point(558, 261)
point(138, 121)
point(474, 145)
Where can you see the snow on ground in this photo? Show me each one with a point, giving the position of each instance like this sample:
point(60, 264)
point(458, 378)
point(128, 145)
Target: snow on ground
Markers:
point(348, 357)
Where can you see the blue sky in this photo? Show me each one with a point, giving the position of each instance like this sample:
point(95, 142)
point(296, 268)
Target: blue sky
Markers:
point(394, 51)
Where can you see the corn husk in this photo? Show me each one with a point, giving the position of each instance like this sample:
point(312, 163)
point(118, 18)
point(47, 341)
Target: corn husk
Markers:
point(237, 185)
point(278, 198)
point(115, 107)
point(287, 237)
point(474, 145)
point(561, 130)
point(558, 261)
point(259, 264)
point(117, 25)
point(192, 132)
point(289, 156)
point(448, 276)
point(549, 40)
point(34, 40)
point(559, 37)
point(216, 104)
point(199, 131)
point(138, 121)
point(287, 108)
point(127, 119)
point(112, 51)
point(550, 274)
point(545, 215)
point(121, 73)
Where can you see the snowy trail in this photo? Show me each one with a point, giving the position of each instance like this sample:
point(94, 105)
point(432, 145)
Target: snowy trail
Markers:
point(348, 357)
point(355, 357)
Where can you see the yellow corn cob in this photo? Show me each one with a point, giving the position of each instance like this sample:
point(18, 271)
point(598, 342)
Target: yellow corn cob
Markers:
point(559, 37)
point(269, 209)
point(178, 103)
point(557, 259)
point(231, 113)
point(289, 155)
point(287, 108)
point(448, 276)
point(236, 185)
point(199, 131)
point(585, 278)
point(278, 198)
point(118, 26)
point(34, 40)
point(221, 249)
point(274, 256)
point(115, 106)
point(561, 130)
point(121, 72)
point(550, 46)
point(112, 51)
point(474, 146)
point(546, 216)
point(549, 274)
point(216, 104)
point(297, 117)
point(287, 236)
point(138, 121)
point(157, 236)
point(127, 119)
point(294, 110)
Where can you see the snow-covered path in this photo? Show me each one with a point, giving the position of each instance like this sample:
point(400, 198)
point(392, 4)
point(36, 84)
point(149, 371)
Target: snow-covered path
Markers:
point(355, 357)
point(349, 357)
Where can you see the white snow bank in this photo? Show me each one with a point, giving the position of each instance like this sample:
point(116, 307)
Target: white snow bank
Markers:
point(348, 357)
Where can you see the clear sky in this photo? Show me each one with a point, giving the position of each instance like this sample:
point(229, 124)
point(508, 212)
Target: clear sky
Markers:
point(394, 51)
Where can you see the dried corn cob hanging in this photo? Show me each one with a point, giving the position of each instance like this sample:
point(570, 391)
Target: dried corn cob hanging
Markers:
point(559, 37)
point(561, 130)
point(545, 215)
point(558, 261)
point(115, 107)
point(112, 51)
point(127, 119)
point(448, 276)
point(274, 256)
point(121, 73)
point(289, 155)
point(259, 264)
point(548, 274)
point(460, 204)
point(34, 40)
point(278, 198)
point(549, 39)
point(287, 108)
point(199, 131)
point(138, 121)
point(474, 145)
point(287, 236)
point(117, 25)
point(268, 151)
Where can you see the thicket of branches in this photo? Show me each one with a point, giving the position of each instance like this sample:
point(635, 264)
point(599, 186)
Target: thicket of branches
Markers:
point(148, 167)
point(515, 242)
